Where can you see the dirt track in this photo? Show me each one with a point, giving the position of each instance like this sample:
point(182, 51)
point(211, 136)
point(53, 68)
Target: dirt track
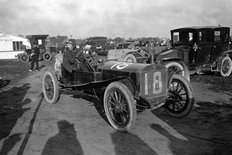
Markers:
point(76, 124)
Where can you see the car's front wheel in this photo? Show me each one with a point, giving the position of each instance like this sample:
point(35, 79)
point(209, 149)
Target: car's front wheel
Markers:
point(226, 67)
point(180, 97)
point(50, 87)
point(120, 106)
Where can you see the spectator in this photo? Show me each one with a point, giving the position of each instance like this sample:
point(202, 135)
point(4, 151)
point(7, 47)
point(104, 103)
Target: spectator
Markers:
point(35, 58)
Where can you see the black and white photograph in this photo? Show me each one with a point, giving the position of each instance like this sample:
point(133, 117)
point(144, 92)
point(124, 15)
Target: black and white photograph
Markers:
point(115, 77)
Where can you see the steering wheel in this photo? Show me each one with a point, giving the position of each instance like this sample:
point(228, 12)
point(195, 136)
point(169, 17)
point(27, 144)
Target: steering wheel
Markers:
point(87, 57)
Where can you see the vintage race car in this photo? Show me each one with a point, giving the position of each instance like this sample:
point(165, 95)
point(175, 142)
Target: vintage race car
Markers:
point(123, 87)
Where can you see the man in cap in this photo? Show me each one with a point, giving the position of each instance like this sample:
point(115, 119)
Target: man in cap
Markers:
point(69, 58)
point(35, 57)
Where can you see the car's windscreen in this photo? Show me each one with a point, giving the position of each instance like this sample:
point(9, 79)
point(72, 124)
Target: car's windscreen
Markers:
point(182, 37)
point(221, 35)
point(205, 36)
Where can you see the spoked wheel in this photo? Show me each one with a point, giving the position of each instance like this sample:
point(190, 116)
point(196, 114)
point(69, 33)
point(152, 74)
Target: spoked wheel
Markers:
point(130, 58)
point(50, 87)
point(178, 67)
point(24, 58)
point(226, 67)
point(180, 97)
point(120, 107)
point(47, 56)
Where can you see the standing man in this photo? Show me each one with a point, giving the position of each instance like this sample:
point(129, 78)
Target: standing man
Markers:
point(35, 58)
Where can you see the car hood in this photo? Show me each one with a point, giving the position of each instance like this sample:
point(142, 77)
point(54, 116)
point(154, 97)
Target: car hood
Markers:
point(129, 67)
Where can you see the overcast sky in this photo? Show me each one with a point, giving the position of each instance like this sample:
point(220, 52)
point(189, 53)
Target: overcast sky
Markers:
point(111, 18)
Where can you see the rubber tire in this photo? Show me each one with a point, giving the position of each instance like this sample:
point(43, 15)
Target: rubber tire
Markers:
point(189, 89)
point(130, 57)
point(24, 55)
point(131, 104)
point(181, 66)
point(44, 56)
point(229, 70)
point(55, 88)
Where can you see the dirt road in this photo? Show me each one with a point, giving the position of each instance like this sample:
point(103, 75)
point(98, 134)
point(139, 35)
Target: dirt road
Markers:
point(76, 124)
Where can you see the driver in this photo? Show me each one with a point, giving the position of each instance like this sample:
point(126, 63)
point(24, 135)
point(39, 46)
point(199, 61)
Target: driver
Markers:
point(69, 58)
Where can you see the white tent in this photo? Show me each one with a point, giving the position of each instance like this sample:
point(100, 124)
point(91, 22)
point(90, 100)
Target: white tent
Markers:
point(11, 46)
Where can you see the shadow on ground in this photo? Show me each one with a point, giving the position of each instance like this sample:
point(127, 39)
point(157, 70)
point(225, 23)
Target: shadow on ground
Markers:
point(207, 129)
point(9, 143)
point(4, 83)
point(127, 144)
point(11, 109)
point(65, 142)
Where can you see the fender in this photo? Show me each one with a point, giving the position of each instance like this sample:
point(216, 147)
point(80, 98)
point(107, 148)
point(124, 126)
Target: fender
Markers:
point(224, 54)
point(229, 53)
point(171, 54)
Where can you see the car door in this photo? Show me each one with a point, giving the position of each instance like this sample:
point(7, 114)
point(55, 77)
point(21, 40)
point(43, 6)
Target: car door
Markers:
point(203, 47)
point(221, 43)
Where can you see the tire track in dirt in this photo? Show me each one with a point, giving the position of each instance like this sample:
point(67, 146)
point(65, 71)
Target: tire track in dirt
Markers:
point(30, 129)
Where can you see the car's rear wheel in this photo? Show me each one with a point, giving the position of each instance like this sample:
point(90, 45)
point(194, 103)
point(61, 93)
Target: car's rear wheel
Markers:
point(130, 58)
point(119, 106)
point(178, 67)
point(47, 56)
point(226, 67)
point(24, 58)
point(50, 88)
point(180, 97)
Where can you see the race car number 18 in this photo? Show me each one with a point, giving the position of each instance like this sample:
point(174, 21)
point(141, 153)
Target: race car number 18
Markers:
point(156, 83)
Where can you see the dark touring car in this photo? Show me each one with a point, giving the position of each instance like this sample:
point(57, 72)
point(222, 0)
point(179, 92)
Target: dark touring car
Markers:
point(124, 87)
point(202, 48)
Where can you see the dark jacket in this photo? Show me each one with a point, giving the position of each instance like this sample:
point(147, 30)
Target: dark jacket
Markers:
point(35, 52)
point(69, 60)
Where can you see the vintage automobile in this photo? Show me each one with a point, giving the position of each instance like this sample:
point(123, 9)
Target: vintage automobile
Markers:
point(137, 53)
point(25, 57)
point(44, 46)
point(99, 42)
point(123, 87)
point(202, 49)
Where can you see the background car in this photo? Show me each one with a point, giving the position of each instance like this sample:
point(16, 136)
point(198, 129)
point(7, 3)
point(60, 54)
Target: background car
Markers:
point(201, 48)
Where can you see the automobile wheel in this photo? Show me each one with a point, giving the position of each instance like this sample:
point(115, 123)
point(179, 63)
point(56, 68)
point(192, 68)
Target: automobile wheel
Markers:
point(119, 106)
point(178, 67)
point(130, 58)
point(226, 67)
point(47, 56)
point(180, 97)
point(24, 58)
point(50, 88)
